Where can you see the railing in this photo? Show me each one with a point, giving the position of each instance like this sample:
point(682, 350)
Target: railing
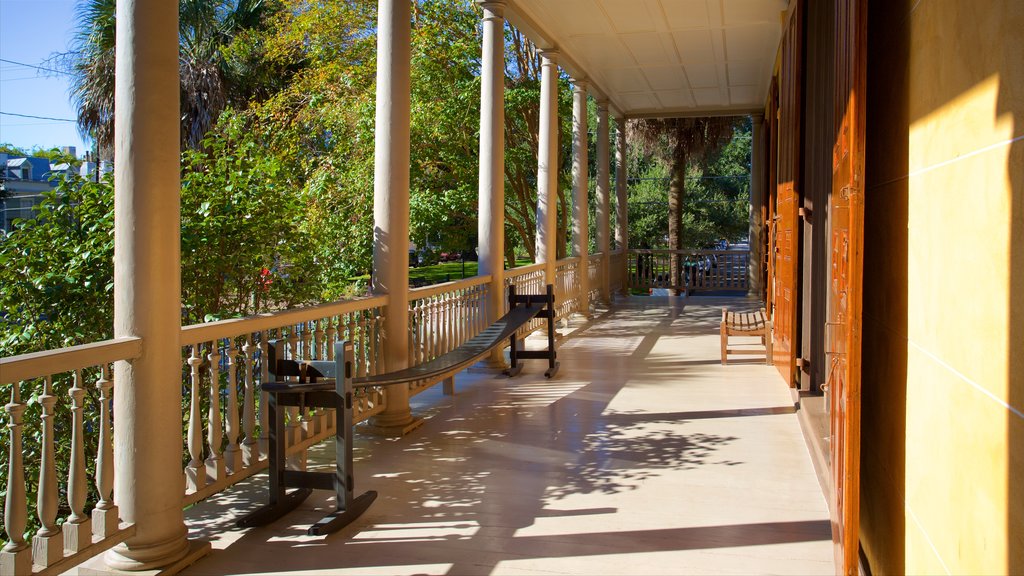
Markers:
point(50, 376)
point(697, 270)
point(223, 365)
point(442, 317)
point(527, 280)
point(567, 286)
point(614, 270)
point(594, 275)
point(225, 362)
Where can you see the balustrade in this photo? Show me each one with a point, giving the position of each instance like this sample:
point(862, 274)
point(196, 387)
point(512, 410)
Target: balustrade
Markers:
point(57, 546)
point(697, 269)
point(567, 287)
point(442, 317)
point(527, 280)
point(217, 353)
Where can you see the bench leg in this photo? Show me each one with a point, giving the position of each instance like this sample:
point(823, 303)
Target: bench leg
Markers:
point(725, 342)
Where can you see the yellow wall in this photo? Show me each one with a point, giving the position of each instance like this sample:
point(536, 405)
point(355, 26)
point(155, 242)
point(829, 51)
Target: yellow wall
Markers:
point(944, 296)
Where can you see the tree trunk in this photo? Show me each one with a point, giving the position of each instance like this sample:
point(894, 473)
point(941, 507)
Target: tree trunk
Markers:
point(676, 197)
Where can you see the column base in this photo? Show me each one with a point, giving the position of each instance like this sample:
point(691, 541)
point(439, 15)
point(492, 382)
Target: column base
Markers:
point(160, 555)
point(195, 550)
point(390, 431)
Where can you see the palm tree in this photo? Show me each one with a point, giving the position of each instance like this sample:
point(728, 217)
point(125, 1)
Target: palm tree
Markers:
point(679, 141)
point(208, 78)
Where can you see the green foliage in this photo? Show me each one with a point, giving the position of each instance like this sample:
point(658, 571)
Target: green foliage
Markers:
point(56, 270)
point(243, 249)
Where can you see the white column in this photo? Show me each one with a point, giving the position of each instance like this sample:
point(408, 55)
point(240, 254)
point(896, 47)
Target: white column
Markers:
point(603, 212)
point(622, 224)
point(391, 203)
point(147, 286)
point(547, 166)
point(580, 185)
point(491, 223)
point(756, 200)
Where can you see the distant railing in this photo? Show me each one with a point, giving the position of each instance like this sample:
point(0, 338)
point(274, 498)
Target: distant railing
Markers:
point(696, 270)
point(567, 286)
point(224, 362)
point(49, 378)
point(595, 277)
point(442, 317)
point(614, 268)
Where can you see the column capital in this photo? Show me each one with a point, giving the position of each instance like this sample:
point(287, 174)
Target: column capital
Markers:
point(579, 85)
point(495, 7)
point(549, 56)
point(602, 104)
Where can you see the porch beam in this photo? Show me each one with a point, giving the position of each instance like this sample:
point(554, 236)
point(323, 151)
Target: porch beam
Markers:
point(581, 185)
point(491, 222)
point(391, 204)
point(621, 196)
point(603, 213)
point(547, 166)
point(147, 286)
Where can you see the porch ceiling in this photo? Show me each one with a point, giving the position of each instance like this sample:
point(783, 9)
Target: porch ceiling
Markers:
point(661, 58)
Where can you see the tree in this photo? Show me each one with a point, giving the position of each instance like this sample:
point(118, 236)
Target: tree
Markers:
point(679, 142)
point(210, 79)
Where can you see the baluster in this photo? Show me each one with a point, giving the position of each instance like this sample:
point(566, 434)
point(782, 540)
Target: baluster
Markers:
point(318, 354)
point(16, 556)
point(410, 355)
point(363, 339)
point(195, 472)
point(105, 514)
point(332, 337)
point(318, 340)
point(77, 529)
point(215, 433)
point(293, 430)
point(232, 454)
point(250, 446)
point(307, 341)
point(264, 397)
point(47, 544)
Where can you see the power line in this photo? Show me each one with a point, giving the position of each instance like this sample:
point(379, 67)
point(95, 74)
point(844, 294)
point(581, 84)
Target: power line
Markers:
point(37, 117)
point(34, 66)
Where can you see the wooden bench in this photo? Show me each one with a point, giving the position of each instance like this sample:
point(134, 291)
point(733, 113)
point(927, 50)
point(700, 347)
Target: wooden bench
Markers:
point(746, 324)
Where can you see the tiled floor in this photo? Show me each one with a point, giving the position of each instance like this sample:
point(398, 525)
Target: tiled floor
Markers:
point(643, 456)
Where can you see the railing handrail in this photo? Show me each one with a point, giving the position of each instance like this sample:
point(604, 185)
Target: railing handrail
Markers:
point(567, 261)
point(235, 326)
point(616, 252)
point(40, 364)
point(522, 270)
point(435, 289)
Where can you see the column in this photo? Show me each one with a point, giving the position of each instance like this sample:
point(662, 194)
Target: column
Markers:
point(547, 166)
point(622, 224)
point(147, 286)
point(491, 223)
point(391, 205)
point(757, 160)
point(580, 186)
point(603, 204)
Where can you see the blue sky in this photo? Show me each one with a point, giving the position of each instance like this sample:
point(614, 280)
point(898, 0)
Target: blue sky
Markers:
point(30, 32)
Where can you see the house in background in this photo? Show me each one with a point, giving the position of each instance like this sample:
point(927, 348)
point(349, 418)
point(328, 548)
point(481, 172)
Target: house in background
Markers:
point(23, 180)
